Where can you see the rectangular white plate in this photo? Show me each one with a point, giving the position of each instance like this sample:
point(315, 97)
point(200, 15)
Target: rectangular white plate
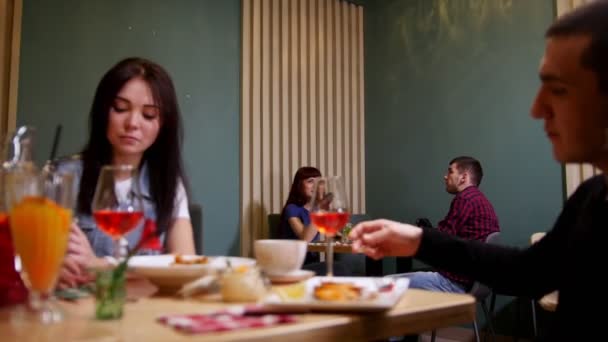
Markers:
point(381, 301)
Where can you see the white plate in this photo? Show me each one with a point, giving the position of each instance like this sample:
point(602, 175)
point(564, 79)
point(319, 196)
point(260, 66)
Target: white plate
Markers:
point(291, 277)
point(372, 299)
point(160, 269)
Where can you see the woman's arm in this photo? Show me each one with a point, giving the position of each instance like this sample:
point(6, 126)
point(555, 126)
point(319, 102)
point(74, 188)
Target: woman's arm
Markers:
point(306, 233)
point(180, 239)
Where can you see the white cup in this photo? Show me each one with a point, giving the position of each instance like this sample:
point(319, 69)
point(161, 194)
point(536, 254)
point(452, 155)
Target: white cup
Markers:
point(278, 257)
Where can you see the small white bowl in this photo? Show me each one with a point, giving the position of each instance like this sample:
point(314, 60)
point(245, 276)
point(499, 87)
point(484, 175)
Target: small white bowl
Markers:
point(278, 257)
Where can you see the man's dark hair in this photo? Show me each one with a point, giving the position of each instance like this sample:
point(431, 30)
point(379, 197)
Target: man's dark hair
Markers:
point(470, 165)
point(590, 20)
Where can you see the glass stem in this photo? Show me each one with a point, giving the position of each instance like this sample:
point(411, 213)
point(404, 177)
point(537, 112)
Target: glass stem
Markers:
point(119, 251)
point(329, 257)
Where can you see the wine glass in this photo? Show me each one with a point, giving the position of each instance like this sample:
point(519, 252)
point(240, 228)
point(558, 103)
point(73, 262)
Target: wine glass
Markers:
point(40, 216)
point(329, 211)
point(117, 205)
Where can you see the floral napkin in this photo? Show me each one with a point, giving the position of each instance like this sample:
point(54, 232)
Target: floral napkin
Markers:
point(224, 320)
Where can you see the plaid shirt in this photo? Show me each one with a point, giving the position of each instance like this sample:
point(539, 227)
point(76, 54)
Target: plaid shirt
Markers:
point(471, 217)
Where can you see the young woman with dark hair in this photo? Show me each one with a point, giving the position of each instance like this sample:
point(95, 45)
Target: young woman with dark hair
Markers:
point(134, 120)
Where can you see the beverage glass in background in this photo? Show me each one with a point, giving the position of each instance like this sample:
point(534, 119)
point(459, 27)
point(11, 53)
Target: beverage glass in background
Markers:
point(117, 205)
point(329, 211)
point(40, 217)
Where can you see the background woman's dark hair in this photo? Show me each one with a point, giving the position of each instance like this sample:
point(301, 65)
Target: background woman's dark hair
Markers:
point(163, 157)
point(295, 194)
point(591, 20)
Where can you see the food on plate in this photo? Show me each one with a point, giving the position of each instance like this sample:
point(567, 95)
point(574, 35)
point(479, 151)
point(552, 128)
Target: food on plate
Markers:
point(190, 260)
point(292, 291)
point(332, 291)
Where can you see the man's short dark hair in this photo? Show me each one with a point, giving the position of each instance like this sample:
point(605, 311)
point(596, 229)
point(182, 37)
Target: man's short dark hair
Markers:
point(470, 165)
point(590, 20)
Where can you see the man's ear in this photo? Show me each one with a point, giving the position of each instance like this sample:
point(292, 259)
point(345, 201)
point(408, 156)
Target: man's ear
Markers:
point(465, 177)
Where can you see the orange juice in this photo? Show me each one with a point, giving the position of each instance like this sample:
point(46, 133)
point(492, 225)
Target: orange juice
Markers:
point(40, 230)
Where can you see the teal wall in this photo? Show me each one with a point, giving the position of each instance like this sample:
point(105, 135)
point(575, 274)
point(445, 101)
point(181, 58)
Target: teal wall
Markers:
point(67, 45)
point(449, 78)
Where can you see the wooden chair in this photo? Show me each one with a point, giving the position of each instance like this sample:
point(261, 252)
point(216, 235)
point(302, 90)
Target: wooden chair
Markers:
point(481, 292)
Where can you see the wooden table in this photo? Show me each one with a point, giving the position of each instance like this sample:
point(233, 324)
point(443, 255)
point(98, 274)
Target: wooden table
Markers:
point(339, 247)
point(373, 268)
point(418, 311)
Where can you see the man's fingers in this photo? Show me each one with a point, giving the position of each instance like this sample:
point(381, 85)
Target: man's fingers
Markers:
point(374, 253)
point(375, 237)
point(366, 227)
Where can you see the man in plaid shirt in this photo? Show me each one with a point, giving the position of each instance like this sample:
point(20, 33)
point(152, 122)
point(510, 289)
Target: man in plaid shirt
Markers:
point(471, 216)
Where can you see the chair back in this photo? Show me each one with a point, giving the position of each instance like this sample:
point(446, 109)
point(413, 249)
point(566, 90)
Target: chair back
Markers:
point(196, 219)
point(274, 221)
point(479, 290)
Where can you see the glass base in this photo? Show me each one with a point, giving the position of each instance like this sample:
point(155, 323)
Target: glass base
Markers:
point(45, 312)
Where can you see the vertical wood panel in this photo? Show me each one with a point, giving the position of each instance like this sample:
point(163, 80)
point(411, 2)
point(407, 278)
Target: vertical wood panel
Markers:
point(347, 113)
point(339, 65)
point(294, 85)
point(302, 102)
point(275, 157)
point(255, 205)
point(246, 88)
point(361, 97)
point(10, 42)
point(266, 56)
point(330, 88)
point(285, 99)
point(313, 111)
point(354, 128)
point(304, 128)
point(322, 79)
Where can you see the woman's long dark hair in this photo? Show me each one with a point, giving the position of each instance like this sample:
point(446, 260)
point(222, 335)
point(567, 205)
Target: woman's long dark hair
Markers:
point(296, 196)
point(163, 157)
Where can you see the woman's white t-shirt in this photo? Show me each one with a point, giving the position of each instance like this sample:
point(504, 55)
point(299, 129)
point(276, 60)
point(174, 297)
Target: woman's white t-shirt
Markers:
point(180, 206)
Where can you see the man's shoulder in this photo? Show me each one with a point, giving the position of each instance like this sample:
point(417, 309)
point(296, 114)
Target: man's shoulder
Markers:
point(472, 195)
point(595, 187)
point(470, 192)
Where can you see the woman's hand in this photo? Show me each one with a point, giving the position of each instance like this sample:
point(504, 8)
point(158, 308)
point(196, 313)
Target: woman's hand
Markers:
point(78, 259)
point(380, 238)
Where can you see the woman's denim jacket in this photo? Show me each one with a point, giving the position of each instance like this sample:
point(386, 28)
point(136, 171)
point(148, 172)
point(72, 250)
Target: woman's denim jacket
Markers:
point(101, 243)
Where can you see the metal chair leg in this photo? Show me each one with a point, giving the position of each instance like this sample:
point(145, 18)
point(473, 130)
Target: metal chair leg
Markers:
point(534, 327)
point(492, 302)
point(476, 330)
point(488, 316)
point(433, 335)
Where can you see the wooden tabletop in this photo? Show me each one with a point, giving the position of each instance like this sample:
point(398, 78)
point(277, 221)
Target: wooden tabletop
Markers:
point(418, 311)
point(339, 247)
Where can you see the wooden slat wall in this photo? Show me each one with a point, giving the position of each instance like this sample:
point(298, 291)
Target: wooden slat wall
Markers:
point(302, 102)
point(10, 38)
point(575, 173)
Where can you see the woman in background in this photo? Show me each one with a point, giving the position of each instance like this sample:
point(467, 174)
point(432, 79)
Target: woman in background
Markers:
point(295, 217)
point(134, 120)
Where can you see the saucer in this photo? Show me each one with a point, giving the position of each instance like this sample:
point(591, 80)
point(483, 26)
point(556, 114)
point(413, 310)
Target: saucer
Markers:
point(291, 277)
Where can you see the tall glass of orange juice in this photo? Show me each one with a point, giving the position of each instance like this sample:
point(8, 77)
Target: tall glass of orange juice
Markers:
point(40, 217)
